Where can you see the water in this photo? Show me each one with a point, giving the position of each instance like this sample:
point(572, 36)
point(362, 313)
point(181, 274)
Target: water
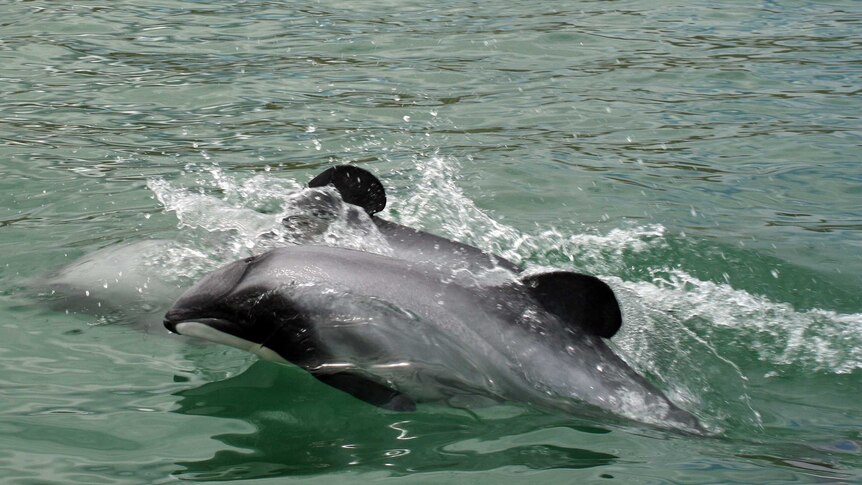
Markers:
point(701, 158)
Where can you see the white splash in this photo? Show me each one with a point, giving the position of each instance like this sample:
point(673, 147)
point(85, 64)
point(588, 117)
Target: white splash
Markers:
point(251, 214)
point(821, 340)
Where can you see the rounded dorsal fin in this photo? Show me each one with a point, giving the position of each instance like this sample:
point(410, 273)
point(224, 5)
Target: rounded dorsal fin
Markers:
point(356, 185)
point(579, 300)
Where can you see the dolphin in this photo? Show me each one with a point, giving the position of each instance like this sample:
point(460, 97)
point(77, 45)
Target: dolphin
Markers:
point(120, 283)
point(361, 188)
point(134, 281)
point(392, 332)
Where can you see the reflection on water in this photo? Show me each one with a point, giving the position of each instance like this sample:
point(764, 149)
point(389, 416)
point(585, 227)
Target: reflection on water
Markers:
point(302, 427)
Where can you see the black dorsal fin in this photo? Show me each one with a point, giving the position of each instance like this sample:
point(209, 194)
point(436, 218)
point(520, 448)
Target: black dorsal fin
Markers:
point(356, 185)
point(578, 300)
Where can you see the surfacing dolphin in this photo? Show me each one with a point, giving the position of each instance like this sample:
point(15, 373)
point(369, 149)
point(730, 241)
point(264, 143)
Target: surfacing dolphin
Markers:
point(134, 282)
point(361, 188)
point(393, 333)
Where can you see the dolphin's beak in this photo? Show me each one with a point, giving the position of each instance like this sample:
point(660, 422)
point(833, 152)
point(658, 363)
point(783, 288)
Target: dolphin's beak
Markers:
point(177, 315)
point(215, 329)
point(221, 331)
point(172, 318)
point(171, 326)
point(178, 325)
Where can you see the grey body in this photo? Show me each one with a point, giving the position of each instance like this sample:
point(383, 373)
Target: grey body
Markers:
point(126, 283)
point(414, 329)
point(419, 246)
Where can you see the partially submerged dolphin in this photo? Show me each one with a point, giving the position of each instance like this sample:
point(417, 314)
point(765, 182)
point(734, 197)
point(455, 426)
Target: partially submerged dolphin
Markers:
point(134, 282)
point(121, 283)
point(392, 332)
point(359, 187)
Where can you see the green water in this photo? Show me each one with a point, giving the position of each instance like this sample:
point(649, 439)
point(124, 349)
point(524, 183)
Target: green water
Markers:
point(701, 157)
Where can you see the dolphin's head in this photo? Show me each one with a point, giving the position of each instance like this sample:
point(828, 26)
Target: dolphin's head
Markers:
point(229, 307)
